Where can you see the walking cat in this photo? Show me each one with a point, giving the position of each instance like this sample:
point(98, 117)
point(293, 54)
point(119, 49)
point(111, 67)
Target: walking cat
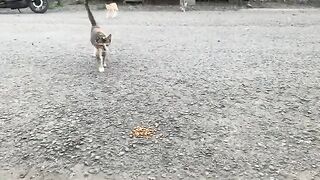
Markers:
point(99, 40)
point(183, 5)
point(112, 10)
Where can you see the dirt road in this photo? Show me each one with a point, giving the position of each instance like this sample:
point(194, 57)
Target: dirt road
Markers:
point(231, 94)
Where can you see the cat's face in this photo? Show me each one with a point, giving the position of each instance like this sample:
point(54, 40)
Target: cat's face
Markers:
point(105, 40)
point(109, 6)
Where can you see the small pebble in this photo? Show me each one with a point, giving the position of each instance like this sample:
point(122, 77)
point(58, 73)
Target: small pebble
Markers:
point(151, 177)
point(93, 171)
point(97, 157)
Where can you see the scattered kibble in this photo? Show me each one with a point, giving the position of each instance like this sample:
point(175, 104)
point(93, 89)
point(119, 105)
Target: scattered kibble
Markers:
point(142, 132)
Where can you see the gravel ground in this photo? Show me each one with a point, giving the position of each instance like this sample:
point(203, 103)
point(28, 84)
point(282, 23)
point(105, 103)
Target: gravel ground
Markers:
point(232, 95)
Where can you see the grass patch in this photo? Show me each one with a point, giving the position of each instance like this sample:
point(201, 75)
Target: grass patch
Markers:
point(55, 4)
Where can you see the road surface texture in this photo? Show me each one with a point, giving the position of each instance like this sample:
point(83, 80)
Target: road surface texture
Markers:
point(231, 94)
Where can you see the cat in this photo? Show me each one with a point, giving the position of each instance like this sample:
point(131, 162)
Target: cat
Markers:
point(183, 5)
point(99, 40)
point(112, 10)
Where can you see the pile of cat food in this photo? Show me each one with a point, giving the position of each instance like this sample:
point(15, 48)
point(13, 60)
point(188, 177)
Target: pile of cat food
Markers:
point(142, 132)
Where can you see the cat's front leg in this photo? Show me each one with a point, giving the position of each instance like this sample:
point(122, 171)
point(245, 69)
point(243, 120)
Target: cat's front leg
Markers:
point(106, 56)
point(109, 13)
point(115, 13)
point(100, 60)
point(105, 59)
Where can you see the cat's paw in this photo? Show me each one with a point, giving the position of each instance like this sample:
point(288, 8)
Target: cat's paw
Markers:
point(105, 64)
point(101, 69)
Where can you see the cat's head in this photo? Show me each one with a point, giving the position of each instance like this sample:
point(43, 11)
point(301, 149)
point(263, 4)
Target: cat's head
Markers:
point(106, 40)
point(108, 6)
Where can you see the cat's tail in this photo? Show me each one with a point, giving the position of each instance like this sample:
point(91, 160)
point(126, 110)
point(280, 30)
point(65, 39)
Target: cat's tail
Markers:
point(91, 18)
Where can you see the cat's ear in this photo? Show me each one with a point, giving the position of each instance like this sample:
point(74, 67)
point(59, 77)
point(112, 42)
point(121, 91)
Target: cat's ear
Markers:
point(109, 38)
